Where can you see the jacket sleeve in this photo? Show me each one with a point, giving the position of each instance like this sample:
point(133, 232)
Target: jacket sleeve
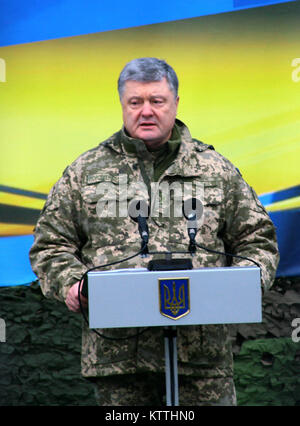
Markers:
point(55, 253)
point(249, 231)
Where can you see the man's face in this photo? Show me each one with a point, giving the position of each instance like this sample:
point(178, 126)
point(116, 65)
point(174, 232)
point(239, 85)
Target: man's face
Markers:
point(149, 111)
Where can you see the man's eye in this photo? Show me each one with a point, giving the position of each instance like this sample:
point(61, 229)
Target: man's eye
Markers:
point(157, 101)
point(134, 104)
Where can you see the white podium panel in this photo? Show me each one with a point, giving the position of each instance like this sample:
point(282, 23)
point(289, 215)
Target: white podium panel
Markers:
point(131, 297)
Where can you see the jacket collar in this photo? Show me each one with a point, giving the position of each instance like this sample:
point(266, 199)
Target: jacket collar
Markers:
point(188, 147)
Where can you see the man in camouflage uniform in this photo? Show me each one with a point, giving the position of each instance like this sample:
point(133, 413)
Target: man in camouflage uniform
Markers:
point(75, 233)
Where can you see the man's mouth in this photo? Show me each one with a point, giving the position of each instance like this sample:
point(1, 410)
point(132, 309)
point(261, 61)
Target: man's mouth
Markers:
point(147, 124)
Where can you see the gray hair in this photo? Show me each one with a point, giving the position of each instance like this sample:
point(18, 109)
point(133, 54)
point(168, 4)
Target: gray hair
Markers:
point(146, 70)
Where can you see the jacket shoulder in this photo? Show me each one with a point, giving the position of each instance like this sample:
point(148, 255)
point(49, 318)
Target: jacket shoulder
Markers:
point(201, 146)
point(215, 159)
point(101, 156)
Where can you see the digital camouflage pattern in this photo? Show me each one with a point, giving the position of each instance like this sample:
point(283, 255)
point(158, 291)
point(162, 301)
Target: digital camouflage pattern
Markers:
point(148, 389)
point(70, 237)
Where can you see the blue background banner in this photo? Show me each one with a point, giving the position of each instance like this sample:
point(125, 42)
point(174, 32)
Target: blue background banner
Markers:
point(34, 20)
point(288, 234)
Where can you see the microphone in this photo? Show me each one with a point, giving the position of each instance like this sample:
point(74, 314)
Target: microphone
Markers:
point(192, 226)
point(192, 210)
point(143, 228)
point(138, 211)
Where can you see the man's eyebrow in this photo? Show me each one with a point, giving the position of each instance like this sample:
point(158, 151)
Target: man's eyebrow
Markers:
point(158, 96)
point(134, 97)
point(140, 98)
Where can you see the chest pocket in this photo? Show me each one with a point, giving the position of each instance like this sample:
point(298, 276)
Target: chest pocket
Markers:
point(100, 206)
point(105, 200)
point(98, 191)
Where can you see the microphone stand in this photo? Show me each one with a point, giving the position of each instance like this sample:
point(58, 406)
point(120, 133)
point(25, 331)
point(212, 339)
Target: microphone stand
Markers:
point(170, 339)
point(170, 332)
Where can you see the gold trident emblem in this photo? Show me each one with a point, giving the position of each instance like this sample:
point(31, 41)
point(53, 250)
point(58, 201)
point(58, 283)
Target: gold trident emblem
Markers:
point(175, 304)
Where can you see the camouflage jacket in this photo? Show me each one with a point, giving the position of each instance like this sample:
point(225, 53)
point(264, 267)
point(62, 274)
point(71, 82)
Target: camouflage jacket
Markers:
point(74, 233)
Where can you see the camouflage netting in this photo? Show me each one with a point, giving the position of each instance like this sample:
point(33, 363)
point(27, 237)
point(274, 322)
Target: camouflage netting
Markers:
point(40, 360)
point(267, 361)
point(267, 372)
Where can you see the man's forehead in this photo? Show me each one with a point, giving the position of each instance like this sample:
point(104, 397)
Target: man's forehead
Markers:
point(136, 87)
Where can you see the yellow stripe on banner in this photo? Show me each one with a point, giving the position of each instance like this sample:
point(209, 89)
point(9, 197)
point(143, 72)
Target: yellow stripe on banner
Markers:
point(292, 203)
point(21, 201)
point(10, 230)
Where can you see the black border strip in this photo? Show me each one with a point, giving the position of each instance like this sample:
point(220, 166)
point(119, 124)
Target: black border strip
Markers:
point(24, 192)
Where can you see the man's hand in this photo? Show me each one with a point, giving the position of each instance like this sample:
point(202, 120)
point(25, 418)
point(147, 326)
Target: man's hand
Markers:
point(72, 301)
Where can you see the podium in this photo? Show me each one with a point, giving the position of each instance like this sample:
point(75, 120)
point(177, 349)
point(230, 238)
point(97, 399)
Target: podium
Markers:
point(142, 298)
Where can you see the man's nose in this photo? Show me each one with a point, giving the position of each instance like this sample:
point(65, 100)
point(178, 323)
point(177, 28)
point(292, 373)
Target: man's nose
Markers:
point(147, 109)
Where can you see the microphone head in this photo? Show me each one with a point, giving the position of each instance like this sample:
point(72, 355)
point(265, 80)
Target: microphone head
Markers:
point(138, 211)
point(192, 210)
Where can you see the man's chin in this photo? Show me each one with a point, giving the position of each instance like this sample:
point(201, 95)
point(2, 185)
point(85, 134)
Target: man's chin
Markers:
point(148, 135)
